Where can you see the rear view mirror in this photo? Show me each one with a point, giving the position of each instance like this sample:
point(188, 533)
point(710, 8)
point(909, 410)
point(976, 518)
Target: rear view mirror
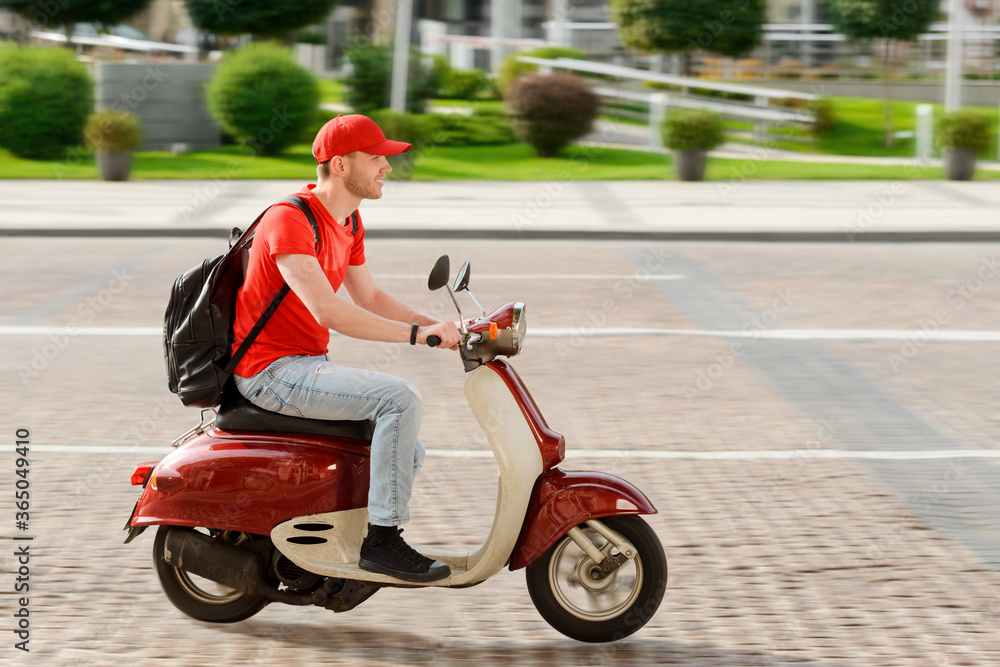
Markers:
point(439, 274)
point(462, 279)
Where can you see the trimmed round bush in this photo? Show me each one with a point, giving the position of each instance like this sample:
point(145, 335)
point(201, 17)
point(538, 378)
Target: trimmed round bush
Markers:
point(45, 97)
point(551, 110)
point(263, 98)
point(692, 129)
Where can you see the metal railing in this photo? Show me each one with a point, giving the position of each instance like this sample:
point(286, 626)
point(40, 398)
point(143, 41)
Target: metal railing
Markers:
point(759, 111)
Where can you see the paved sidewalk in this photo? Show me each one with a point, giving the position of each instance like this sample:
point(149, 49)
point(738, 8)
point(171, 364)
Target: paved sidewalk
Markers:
point(734, 209)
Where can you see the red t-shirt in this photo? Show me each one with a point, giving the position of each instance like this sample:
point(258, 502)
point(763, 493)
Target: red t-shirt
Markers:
point(292, 329)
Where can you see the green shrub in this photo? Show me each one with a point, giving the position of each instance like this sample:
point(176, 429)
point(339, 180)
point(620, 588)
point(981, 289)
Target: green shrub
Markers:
point(113, 131)
point(512, 69)
point(262, 97)
point(692, 129)
point(467, 84)
point(440, 68)
point(310, 37)
point(406, 127)
point(550, 110)
point(45, 97)
point(965, 129)
point(398, 126)
point(823, 109)
point(479, 129)
point(369, 83)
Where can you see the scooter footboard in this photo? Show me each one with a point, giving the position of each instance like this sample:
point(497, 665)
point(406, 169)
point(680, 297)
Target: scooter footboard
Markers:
point(561, 500)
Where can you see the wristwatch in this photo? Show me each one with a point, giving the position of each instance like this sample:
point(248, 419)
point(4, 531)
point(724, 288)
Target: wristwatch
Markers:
point(413, 333)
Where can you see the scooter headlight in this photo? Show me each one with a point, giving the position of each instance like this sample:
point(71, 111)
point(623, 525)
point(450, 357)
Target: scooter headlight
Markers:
point(519, 326)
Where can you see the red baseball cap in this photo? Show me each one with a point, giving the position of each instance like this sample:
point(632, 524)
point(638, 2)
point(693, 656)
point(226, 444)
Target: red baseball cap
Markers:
point(346, 134)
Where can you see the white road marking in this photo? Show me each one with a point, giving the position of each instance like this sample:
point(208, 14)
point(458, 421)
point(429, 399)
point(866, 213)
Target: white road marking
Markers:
point(710, 455)
point(640, 275)
point(773, 334)
point(917, 335)
point(73, 331)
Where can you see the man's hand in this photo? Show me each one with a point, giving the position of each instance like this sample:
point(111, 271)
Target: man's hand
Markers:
point(446, 331)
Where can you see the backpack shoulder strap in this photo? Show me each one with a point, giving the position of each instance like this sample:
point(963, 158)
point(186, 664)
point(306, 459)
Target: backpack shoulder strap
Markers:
point(244, 239)
point(301, 204)
point(257, 328)
point(354, 222)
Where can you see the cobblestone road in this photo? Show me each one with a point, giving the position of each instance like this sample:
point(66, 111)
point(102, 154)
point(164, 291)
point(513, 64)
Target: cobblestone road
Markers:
point(797, 560)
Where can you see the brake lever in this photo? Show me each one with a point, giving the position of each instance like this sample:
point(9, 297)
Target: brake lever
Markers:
point(473, 338)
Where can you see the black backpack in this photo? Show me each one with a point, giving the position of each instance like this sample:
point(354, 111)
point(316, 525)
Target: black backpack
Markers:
point(198, 324)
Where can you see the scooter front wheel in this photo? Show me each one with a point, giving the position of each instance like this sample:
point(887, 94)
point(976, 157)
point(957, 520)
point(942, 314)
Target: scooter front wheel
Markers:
point(200, 598)
point(578, 601)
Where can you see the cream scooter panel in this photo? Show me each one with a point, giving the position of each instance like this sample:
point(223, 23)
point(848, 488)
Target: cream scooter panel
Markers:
point(335, 551)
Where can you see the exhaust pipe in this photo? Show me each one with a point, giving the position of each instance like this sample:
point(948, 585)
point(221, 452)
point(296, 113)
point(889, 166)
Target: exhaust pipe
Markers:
point(215, 560)
point(234, 567)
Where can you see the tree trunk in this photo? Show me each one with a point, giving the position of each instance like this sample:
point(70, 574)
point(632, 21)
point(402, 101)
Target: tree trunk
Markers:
point(68, 28)
point(885, 88)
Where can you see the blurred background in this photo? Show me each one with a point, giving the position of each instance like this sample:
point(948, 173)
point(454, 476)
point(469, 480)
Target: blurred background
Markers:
point(875, 79)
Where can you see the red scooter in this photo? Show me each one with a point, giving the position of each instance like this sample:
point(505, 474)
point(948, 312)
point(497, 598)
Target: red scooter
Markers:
point(255, 507)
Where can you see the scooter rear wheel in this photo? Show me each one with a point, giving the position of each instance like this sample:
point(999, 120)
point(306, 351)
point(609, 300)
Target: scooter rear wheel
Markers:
point(587, 608)
point(200, 598)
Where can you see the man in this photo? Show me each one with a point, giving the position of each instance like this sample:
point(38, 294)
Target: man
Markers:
point(287, 369)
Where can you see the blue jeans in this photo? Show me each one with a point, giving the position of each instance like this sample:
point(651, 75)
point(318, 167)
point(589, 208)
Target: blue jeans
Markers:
point(316, 388)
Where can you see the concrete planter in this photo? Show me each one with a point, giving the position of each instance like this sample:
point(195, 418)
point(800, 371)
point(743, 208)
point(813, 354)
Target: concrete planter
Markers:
point(690, 165)
point(114, 165)
point(959, 164)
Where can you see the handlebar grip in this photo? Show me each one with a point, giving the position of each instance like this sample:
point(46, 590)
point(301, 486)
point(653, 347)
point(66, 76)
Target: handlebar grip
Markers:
point(433, 341)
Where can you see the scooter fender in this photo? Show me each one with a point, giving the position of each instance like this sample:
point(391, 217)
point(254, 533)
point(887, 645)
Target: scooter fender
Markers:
point(561, 500)
point(251, 482)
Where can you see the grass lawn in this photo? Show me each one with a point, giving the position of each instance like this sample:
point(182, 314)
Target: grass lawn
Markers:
point(331, 91)
point(225, 163)
point(859, 128)
point(513, 162)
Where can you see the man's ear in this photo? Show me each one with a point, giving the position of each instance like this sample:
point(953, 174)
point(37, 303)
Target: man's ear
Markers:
point(338, 166)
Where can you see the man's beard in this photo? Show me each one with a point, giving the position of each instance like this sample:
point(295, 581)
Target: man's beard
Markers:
point(362, 187)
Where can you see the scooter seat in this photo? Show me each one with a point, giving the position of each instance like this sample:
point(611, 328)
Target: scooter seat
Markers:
point(236, 413)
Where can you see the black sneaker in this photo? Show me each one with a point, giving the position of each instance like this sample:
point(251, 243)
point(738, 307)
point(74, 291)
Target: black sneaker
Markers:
point(384, 551)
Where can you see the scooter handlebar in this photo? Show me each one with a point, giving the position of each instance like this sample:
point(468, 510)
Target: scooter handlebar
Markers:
point(433, 341)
